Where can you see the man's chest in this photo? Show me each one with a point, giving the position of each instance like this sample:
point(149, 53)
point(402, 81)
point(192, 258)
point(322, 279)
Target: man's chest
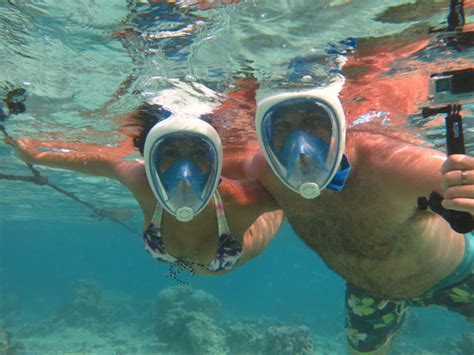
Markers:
point(377, 254)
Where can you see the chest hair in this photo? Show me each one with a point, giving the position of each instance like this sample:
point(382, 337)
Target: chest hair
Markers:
point(350, 232)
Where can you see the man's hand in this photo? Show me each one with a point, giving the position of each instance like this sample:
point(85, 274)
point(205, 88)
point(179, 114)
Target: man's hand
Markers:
point(458, 183)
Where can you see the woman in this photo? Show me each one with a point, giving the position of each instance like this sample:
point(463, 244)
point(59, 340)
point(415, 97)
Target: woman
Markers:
point(208, 244)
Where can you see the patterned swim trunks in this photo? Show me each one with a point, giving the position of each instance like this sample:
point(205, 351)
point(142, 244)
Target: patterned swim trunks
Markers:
point(372, 322)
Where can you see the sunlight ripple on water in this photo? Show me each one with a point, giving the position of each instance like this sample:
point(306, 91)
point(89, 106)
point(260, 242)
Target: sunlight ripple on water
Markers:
point(84, 63)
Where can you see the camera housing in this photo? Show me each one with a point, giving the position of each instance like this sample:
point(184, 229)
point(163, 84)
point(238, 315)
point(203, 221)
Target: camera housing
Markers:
point(452, 86)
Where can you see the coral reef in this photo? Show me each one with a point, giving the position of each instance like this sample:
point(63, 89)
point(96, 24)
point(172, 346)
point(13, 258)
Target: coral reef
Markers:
point(466, 345)
point(188, 322)
point(185, 298)
point(245, 338)
point(5, 342)
point(93, 324)
point(7, 347)
point(86, 310)
point(190, 332)
point(289, 340)
point(268, 337)
point(185, 321)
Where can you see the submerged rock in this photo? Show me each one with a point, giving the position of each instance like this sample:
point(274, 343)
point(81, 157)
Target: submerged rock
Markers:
point(291, 340)
point(191, 333)
point(205, 337)
point(6, 342)
point(245, 338)
point(182, 297)
point(186, 321)
point(7, 346)
point(87, 309)
point(467, 344)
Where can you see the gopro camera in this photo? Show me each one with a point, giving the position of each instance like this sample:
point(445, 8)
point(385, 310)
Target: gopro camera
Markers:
point(452, 86)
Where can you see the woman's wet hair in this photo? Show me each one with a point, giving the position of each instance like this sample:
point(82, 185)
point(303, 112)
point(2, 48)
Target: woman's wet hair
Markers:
point(145, 117)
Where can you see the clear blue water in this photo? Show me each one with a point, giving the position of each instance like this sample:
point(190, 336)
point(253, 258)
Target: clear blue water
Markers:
point(76, 71)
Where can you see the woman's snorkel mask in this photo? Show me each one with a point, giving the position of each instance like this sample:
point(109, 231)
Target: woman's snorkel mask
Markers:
point(183, 162)
point(303, 137)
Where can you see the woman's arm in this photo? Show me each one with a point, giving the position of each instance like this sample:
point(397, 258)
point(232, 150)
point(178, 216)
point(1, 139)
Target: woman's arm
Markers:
point(255, 239)
point(261, 233)
point(93, 161)
point(253, 214)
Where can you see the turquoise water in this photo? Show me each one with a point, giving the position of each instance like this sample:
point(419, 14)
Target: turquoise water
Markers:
point(80, 77)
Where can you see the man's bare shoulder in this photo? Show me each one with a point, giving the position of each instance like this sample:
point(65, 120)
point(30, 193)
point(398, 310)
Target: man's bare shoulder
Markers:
point(380, 145)
point(408, 169)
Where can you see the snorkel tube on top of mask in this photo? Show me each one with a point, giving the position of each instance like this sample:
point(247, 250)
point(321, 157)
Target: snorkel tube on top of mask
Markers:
point(320, 154)
point(183, 163)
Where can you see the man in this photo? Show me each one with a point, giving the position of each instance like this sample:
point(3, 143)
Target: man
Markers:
point(353, 200)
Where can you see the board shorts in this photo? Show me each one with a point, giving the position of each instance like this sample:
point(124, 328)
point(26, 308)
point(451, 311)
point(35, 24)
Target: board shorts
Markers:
point(372, 322)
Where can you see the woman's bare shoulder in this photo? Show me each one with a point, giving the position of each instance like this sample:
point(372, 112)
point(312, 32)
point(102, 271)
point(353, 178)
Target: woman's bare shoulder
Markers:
point(132, 173)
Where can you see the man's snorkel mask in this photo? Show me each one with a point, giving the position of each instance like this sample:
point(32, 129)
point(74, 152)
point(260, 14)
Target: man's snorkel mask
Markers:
point(303, 137)
point(183, 162)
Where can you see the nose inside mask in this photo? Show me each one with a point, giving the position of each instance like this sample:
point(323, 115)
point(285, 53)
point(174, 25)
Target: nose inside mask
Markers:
point(304, 152)
point(182, 175)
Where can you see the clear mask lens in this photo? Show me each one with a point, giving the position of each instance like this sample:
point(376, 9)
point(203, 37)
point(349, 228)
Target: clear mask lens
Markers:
point(302, 141)
point(185, 170)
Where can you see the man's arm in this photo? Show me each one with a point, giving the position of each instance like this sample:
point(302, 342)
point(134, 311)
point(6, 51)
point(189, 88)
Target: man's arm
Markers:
point(458, 190)
point(407, 170)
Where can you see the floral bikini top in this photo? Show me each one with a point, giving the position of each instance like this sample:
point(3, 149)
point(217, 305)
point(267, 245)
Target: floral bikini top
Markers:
point(228, 253)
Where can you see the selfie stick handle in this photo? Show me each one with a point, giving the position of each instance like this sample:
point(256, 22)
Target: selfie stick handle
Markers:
point(461, 222)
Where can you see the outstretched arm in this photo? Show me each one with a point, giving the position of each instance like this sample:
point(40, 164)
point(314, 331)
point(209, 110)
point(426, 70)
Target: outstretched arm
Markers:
point(92, 161)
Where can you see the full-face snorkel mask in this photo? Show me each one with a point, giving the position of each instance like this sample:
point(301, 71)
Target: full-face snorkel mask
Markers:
point(303, 137)
point(183, 162)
